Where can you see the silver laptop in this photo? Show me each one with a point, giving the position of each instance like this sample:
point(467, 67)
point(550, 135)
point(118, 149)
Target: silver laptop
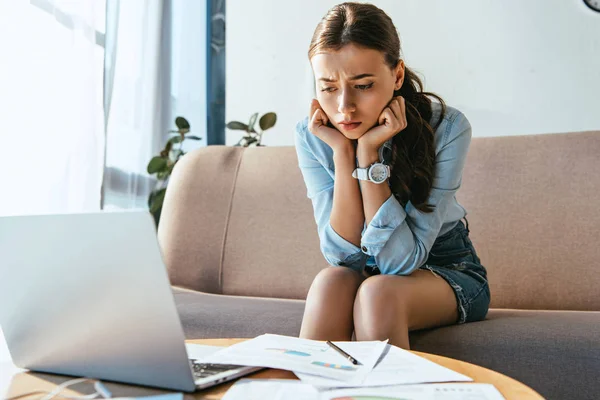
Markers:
point(88, 295)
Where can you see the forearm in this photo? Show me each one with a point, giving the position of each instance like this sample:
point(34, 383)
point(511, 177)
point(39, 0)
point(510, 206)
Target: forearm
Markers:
point(347, 215)
point(373, 194)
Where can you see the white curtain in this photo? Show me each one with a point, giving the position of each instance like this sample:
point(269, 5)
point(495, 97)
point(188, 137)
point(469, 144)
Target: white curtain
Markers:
point(51, 116)
point(155, 70)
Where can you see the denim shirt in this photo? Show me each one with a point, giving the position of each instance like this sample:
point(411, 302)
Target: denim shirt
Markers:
point(398, 239)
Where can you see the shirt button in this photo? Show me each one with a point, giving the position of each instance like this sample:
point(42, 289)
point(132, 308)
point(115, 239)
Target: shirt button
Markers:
point(364, 249)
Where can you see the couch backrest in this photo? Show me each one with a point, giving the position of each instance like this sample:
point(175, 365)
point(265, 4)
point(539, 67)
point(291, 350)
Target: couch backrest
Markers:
point(237, 221)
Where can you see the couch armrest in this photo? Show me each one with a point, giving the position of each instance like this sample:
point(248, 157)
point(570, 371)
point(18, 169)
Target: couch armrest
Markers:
point(194, 216)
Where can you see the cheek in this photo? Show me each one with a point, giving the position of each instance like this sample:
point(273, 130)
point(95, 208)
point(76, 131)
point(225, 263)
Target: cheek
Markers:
point(376, 103)
point(372, 105)
point(328, 103)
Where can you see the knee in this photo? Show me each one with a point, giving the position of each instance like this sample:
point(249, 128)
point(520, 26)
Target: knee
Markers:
point(377, 291)
point(378, 307)
point(338, 278)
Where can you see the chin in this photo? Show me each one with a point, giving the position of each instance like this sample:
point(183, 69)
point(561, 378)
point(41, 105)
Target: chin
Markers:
point(352, 135)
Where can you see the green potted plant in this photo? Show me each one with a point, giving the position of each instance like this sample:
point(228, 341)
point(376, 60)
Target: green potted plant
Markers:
point(163, 164)
point(252, 137)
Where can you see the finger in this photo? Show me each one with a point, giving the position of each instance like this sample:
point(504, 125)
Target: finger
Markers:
point(323, 116)
point(402, 107)
point(385, 115)
point(395, 107)
point(403, 121)
point(314, 104)
point(392, 121)
point(314, 122)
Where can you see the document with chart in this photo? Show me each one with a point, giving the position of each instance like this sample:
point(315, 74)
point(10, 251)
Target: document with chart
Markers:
point(302, 355)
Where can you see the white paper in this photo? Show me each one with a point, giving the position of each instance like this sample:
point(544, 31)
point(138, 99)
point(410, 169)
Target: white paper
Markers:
point(259, 389)
point(170, 396)
point(200, 351)
point(395, 367)
point(272, 389)
point(440, 391)
point(301, 355)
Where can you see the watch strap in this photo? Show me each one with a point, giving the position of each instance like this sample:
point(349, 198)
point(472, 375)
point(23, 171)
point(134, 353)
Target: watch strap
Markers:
point(361, 173)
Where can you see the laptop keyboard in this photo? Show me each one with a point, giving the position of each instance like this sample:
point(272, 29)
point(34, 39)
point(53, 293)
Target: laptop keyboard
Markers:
point(203, 370)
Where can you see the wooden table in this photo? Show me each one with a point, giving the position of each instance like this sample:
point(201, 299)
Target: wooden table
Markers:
point(28, 381)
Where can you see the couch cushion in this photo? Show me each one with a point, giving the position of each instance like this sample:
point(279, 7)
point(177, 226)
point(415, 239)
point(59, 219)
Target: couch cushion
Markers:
point(557, 353)
point(205, 315)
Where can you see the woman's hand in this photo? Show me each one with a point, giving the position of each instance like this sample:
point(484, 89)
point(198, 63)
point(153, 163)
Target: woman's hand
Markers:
point(391, 121)
point(317, 125)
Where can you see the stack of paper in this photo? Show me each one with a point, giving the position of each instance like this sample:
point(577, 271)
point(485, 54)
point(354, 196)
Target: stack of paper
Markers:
point(385, 372)
point(302, 356)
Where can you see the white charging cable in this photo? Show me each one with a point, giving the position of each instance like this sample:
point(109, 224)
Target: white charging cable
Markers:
point(101, 390)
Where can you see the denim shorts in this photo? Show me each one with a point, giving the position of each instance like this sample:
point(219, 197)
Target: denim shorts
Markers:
point(454, 259)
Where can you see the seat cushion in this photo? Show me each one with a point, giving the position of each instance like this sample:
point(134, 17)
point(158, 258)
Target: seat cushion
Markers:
point(205, 315)
point(557, 353)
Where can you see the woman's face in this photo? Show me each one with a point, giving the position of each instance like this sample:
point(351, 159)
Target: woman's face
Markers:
point(353, 86)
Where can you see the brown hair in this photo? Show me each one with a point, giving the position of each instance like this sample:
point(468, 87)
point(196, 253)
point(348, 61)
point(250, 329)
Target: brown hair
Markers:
point(413, 153)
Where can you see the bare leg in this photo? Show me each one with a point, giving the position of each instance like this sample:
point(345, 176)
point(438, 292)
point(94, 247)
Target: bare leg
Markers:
point(329, 305)
point(389, 306)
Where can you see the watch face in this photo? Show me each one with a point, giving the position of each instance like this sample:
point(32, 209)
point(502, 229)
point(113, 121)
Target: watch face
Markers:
point(378, 173)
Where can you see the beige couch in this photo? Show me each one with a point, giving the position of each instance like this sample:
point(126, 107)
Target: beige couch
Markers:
point(240, 243)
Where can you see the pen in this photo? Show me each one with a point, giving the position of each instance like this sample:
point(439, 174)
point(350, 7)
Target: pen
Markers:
point(342, 352)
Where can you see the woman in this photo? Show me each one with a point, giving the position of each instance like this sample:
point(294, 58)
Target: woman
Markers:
point(382, 164)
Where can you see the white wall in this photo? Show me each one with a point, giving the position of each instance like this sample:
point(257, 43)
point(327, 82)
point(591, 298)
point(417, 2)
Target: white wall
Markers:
point(512, 66)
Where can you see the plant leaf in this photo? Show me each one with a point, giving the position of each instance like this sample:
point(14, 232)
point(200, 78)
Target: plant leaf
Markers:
point(236, 125)
point(175, 139)
point(161, 175)
point(156, 164)
point(193, 137)
point(182, 124)
point(267, 121)
point(252, 122)
point(157, 201)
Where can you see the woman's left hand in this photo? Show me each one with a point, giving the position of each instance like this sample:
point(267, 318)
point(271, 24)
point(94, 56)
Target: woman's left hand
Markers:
point(391, 121)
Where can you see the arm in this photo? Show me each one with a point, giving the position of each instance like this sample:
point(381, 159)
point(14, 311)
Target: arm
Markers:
point(323, 191)
point(400, 238)
point(373, 195)
point(347, 217)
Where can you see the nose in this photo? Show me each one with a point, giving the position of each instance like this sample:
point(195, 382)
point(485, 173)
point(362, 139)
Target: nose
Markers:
point(346, 104)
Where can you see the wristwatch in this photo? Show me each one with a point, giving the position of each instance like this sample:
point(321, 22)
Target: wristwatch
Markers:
point(376, 173)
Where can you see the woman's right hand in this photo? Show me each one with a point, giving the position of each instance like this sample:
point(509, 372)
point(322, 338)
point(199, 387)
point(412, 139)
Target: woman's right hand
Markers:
point(317, 125)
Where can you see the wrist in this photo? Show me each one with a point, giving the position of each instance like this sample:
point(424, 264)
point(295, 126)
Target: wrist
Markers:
point(366, 155)
point(347, 150)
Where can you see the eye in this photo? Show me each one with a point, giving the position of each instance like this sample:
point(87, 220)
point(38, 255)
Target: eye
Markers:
point(328, 89)
point(364, 87)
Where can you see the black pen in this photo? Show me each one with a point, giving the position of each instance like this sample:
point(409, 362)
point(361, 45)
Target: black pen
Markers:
point(342, 352)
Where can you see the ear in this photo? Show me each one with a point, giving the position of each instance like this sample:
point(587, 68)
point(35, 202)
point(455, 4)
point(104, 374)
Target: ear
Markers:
point(399, 74)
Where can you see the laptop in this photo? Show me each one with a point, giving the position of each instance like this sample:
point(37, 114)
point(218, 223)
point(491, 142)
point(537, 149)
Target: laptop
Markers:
point(88, 294)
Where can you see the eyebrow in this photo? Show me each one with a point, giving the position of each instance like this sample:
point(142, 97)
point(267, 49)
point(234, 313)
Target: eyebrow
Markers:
point(353, 78)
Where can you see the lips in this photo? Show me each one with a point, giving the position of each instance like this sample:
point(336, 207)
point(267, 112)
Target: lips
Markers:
point(350, 125)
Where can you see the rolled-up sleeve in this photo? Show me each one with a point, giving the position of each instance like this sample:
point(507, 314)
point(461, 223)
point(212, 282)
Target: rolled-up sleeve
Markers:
point(319, 182)
point(400, 238)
